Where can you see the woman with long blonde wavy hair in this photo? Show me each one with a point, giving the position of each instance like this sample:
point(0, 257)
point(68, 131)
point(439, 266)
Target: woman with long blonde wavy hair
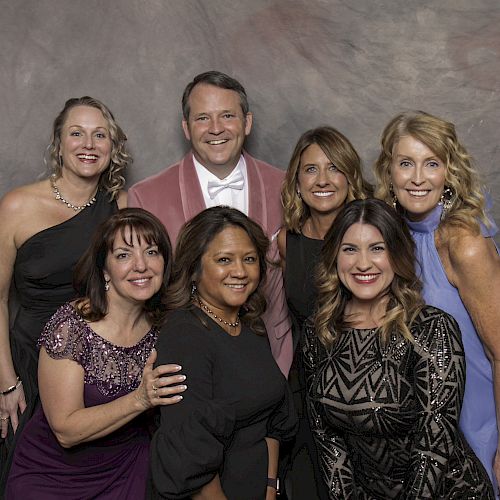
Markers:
point(428, 176)
point(385, 373)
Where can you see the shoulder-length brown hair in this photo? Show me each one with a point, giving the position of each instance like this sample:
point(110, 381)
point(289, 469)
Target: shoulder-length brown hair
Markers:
point(339, 150)
point(194, 238)
point(88, 278)
point(112, 179)
point(405, 300)
point(467, 203)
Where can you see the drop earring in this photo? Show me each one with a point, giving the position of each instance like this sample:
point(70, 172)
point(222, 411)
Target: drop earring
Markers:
point(446, 200)
point(194, 290)
point(393, 196)
point(106, 284)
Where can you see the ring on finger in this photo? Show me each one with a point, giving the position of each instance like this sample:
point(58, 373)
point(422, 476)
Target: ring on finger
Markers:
point(4, 419)
point(154, 387)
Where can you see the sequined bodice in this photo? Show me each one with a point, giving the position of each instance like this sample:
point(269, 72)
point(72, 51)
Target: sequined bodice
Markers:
point(385, 417)
point(111, 368)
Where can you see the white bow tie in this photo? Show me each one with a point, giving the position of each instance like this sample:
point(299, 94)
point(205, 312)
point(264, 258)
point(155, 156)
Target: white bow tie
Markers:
point(235, 180)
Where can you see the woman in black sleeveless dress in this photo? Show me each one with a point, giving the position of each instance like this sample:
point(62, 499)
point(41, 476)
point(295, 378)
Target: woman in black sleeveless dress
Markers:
point(324, 174)
point(46, 227)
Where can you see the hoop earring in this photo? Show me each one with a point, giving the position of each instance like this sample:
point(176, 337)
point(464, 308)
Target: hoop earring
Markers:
point(446, 200)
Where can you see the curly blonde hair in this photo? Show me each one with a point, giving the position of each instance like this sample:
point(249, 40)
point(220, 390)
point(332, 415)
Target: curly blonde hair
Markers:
point(405, 300)
point(467, 202)
point(341, 153)
point(112, 179)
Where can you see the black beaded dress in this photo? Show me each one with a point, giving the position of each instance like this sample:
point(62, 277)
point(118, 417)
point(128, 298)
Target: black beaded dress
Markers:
point(385, 417)
point(302, 470)
point(42, 278)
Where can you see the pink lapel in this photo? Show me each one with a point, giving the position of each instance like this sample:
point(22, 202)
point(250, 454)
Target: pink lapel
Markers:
point(257, 203)
point(191, 195)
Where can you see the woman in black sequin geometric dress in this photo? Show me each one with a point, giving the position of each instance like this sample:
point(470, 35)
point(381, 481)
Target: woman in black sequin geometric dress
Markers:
point(385, 373)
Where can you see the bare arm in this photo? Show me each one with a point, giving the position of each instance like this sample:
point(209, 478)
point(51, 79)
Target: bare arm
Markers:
point(273, 450)
point(474, 268)
point(11, 403)
point(121, 201)
point(61, 391)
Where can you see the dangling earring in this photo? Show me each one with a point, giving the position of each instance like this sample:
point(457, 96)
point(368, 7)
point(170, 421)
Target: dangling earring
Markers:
point(447, 199)
point(394, 197)
point(194, 290)
point(299, 194)
point(106, 284)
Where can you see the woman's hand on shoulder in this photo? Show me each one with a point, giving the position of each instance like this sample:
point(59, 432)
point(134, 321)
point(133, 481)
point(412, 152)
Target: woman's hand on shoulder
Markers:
point(158, 387)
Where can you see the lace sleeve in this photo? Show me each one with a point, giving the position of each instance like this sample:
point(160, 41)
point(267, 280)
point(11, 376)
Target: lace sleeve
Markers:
point(62, 336)
point(336, 467)
point(439, 386)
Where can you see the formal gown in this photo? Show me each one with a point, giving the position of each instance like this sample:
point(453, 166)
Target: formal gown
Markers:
point(385, 416)
point(42, 278)
point(303, 478)
point(478, 417)
point(236, 397)
point(114, 467)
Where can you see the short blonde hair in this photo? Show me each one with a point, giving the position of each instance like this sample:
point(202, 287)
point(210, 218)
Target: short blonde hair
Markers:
point(112, 179)
point(468, 205)
point(341, 153)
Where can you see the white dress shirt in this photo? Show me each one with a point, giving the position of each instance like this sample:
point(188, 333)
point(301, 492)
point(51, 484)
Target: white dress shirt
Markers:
point(236, 198)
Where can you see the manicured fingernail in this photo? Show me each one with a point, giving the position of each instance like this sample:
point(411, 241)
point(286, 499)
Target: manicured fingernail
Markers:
point(182, 378)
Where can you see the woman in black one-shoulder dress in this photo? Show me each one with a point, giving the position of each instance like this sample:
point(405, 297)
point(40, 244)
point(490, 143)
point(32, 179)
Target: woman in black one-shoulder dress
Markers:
point(46, 227)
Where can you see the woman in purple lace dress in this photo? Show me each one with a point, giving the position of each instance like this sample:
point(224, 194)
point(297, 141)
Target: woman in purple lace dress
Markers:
point(96, 376)
point(427, 175)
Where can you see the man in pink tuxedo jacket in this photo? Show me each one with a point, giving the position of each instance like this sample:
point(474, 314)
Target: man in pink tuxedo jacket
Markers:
point(217, 171)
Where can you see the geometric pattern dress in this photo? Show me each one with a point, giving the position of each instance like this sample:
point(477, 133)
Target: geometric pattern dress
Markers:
point(385, 417)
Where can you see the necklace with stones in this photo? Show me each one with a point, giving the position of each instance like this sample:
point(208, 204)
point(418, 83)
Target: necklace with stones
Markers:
point(221, 320)
point(60, 197)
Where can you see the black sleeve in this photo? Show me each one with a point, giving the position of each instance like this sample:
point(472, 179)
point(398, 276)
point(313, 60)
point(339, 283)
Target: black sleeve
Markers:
point(188, 448)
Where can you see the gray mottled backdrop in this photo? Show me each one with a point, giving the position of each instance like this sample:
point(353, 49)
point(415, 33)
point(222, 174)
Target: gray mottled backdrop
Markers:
point(351, 64)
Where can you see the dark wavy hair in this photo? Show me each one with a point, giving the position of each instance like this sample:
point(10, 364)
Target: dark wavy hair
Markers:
point(217, 79)
point(88, 278)
point(112, 179)
point(194, 238)
point(405, 300)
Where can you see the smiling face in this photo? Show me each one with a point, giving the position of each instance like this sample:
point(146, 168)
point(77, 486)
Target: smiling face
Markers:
point(216, 128)
point(363, 264)
point(230, 272)
point(417, 176)
point(85, 143)
point(134, 268)
point(322, 186)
